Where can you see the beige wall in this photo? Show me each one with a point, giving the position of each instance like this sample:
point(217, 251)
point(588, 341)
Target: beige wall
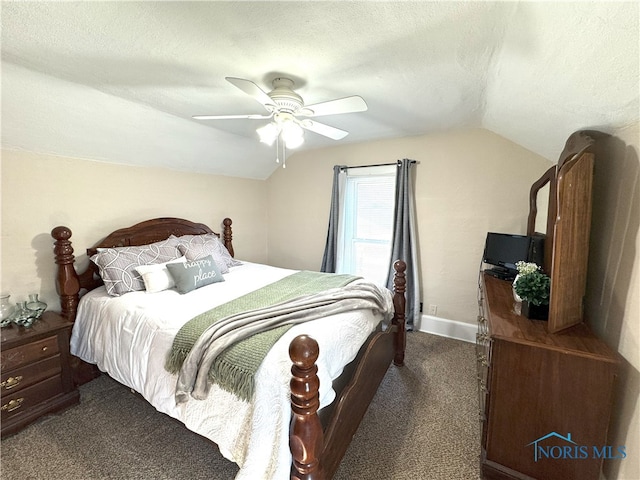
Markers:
point(40, 192)
point(613, 285)
point(467, 183)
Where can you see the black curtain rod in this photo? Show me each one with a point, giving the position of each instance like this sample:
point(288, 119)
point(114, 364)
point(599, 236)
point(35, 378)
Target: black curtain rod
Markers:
point(376, 165)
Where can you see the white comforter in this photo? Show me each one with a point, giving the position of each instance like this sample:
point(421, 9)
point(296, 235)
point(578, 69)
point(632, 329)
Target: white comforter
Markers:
point(129, 338)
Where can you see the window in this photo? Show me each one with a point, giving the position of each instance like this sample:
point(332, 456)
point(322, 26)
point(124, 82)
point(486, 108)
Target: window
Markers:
point(366, 228)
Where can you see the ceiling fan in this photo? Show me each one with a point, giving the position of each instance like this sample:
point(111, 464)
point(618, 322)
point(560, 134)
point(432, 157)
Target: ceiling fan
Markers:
point(289, 112)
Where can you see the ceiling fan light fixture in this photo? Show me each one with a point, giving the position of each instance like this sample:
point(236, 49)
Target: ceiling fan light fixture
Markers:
point(292, 134)
point(268, 133)
point(294, 142)
point(284, 106)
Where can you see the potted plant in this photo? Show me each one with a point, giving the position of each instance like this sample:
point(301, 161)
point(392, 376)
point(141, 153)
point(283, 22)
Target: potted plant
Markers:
point(533, 287)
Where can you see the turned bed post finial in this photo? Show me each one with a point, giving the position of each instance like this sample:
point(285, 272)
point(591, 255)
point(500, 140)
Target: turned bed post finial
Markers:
point(399, 287)
point(306, 436)
point(227, 236)
point(67, 283)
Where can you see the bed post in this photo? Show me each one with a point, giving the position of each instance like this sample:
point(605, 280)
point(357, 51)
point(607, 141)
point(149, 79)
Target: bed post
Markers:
point(227, 236)
point(67, 282)
point(399, 287)
point(306, 437)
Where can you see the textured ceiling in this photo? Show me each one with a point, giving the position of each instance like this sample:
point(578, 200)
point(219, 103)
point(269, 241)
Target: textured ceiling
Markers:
point(120, 81)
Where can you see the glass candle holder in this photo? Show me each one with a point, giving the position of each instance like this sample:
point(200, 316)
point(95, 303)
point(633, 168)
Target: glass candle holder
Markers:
point(6, 310)
point(36, 306)
point(22, 316)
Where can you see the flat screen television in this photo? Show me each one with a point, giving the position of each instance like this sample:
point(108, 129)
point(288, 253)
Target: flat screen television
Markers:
point(503, 250)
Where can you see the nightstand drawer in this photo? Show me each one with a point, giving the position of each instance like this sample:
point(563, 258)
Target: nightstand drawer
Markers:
point(36, 375)
point(31, 352)
point(22, 401)
point(15, 380)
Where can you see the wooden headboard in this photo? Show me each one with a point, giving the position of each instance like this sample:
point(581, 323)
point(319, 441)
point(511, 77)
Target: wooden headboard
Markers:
point(69, 283)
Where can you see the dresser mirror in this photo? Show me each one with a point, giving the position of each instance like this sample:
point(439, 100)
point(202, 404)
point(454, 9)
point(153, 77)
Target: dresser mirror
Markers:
point(566, 188)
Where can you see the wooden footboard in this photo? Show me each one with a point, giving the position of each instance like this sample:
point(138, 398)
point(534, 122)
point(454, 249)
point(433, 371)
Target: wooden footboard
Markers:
point(316, 454)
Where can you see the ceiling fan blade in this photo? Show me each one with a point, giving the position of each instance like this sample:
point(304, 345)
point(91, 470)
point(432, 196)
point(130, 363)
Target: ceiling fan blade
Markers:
point(322, 129)
point(253, 90)
point(334, 107)
point(227, 117)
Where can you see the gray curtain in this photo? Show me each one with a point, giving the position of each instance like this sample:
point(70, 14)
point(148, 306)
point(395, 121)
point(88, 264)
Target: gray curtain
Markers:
point(404, 243)
point(331, 247)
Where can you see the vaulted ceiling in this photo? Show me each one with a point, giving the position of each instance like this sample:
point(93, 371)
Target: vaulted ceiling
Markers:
point(120, 81)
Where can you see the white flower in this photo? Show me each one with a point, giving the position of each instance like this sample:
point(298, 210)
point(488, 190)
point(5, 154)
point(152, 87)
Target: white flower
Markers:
point(525, 268)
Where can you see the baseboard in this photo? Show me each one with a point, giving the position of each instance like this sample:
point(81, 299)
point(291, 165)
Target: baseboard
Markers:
point(448, 328)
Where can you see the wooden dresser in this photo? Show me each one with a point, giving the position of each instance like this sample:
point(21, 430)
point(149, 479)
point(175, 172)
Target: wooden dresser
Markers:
point(533, 385)
point(36, 375)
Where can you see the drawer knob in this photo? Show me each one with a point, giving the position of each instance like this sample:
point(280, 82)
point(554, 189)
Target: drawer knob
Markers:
point(11, 382)
point(45, 348)
point(12, 405)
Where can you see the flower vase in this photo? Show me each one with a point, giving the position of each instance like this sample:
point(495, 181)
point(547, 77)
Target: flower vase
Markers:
point(535, 312)
point(35, 306)
point(516, 297)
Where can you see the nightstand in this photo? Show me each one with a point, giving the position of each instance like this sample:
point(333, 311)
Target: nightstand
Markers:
point(36, 374)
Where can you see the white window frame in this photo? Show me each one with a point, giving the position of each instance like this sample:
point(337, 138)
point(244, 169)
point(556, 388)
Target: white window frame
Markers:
point(346, 259)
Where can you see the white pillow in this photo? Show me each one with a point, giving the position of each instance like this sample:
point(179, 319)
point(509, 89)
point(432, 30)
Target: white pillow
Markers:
point(156, 277)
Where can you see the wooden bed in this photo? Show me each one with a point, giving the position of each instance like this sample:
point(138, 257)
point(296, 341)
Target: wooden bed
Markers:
point(317, 441)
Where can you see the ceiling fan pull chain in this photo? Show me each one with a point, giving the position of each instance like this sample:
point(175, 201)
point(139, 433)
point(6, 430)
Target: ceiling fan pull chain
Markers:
point(278, 149)
point(284, 155)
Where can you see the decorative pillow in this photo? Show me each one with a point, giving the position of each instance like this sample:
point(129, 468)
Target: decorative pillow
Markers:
point(195, 247)
point(226, 256)
point(191, 275)
point(156, 277)
point(117, 265)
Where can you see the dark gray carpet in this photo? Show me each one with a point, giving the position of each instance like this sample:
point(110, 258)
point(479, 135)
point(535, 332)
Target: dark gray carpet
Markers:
point(423, 424)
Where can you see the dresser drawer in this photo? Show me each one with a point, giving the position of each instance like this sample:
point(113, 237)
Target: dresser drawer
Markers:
point(31, 352)
point(22, 377)
point(22, 401)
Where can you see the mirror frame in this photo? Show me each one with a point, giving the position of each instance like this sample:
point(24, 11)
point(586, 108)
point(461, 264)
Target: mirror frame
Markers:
point(566, 240)
point(548, 178)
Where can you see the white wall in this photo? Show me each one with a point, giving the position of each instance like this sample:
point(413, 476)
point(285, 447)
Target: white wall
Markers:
point(467, 183)
point(613, 283)
point(40, 192)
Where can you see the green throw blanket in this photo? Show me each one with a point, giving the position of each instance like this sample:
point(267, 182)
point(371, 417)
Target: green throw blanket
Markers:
point(235, 368)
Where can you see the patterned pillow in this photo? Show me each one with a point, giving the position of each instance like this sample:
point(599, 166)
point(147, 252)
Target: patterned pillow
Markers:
point(229, 260)
point(117, 266)
point(195, 274)
point(195, 247)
